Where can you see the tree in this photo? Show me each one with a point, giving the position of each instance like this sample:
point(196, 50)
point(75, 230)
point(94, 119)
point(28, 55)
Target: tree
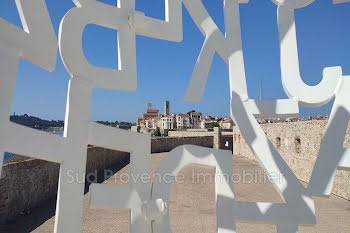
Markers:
point(157, 133)
point(214, 124)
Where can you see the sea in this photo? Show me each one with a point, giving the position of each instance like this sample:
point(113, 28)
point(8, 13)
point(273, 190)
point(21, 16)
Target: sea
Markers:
point(10, 155)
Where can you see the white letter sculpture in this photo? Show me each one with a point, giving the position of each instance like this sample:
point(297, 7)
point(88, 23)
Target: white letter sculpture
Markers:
point(299, 207)
point(149, 204)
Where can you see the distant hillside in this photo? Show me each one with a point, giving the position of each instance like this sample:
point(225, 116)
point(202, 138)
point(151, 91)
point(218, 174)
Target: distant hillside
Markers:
point(121, 124)
point(50, 126)
point(35, 122)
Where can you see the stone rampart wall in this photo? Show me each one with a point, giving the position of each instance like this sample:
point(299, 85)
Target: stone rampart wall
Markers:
point(299, 143)
point(195, 133)
point(190, 133)
point(25, 185)
point(166, 144)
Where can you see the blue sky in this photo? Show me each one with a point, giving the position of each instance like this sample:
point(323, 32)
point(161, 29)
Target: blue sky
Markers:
point(164, 68)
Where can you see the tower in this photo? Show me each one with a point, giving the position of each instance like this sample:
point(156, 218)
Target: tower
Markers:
point(149, 106)
point(167, 108)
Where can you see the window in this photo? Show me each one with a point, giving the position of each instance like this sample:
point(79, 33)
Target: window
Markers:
point(278, 142)
point(297, 145)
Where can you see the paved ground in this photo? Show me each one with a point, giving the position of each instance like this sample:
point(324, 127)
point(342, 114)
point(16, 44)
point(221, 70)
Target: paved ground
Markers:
point(192, 207)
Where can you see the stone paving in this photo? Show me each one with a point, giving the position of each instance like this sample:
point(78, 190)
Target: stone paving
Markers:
point(192, 205)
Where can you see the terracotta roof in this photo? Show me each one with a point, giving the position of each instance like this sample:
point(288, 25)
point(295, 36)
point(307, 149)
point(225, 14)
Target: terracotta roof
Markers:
point(227, 121)
point(152, 111)
point(150, 114)
point(183, 115)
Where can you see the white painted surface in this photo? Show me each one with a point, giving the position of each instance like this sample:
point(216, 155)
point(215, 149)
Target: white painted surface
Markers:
point(272, 108)
point(186, 155)
point(332, 153)
point(294, 86)
point(104, 196)
point(37, 43)
point(228, 46)
point(298, 208)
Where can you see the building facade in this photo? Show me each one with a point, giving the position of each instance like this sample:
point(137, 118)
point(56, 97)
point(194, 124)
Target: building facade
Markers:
point(227, 123)
point(147, 120)
point(183, 121)
point(205, 124)
point(167, 122)
point(152, 119)
point(195, 120)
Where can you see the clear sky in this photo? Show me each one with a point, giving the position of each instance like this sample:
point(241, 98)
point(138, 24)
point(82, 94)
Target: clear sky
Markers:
point(164, 68)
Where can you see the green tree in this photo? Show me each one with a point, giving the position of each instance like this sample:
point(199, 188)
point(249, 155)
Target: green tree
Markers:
point(157, 133)
point(214, 124)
